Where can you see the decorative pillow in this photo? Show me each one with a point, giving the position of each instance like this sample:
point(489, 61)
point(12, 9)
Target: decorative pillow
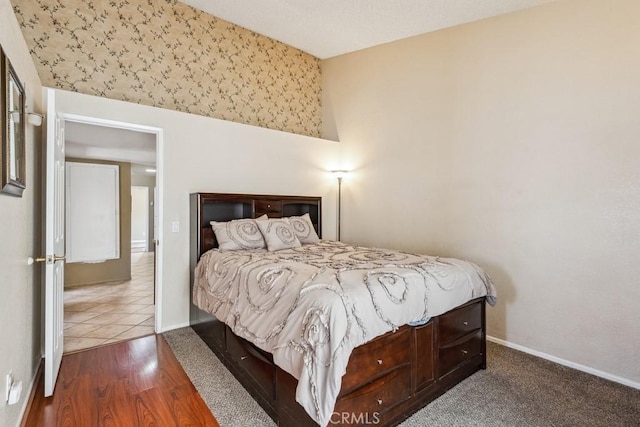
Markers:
point(238, 234)
point(278, 233)
point(303, 227)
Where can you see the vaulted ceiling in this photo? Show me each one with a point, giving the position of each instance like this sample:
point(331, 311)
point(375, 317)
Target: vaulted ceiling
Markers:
point(329, 28)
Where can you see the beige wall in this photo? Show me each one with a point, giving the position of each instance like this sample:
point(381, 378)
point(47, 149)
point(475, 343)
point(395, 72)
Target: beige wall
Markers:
point(170, 55)
point(513, 142)
point(200, 154)
point(20, 304)
point(113, 270)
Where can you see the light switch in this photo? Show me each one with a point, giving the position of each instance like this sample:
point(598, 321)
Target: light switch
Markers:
point(175, 226)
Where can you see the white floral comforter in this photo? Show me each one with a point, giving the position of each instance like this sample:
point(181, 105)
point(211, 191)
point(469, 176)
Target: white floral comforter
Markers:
point(311, 306)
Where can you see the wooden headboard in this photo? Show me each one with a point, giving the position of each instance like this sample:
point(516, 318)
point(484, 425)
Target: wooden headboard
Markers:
point(206, 207)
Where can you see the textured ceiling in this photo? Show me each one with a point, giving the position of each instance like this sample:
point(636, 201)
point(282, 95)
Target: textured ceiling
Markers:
point(326, 28)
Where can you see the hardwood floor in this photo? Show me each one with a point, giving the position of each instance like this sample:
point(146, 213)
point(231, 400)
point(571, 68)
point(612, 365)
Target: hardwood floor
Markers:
point(131, 383)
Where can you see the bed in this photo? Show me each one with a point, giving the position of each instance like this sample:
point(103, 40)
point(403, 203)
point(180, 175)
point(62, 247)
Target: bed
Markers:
point(289, 323)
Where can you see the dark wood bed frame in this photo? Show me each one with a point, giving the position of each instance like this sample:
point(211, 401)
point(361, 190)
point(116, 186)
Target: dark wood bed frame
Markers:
point(387, 379)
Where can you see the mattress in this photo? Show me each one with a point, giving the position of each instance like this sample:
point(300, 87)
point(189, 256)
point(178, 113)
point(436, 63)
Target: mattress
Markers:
point(311, 306)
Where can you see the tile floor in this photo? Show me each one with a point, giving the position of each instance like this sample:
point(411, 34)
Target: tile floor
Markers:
point(106, 313)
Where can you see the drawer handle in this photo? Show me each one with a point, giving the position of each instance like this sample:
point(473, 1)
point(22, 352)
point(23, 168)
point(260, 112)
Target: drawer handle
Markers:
point(379, 401)
point(268, 206)
point(379, 361)
point(464, 351)
point(243, 357)
point(465, 323)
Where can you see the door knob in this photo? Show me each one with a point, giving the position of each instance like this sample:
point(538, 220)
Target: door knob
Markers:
point(49, 259)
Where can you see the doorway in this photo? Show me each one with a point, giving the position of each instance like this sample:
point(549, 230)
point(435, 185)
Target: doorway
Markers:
point(107, 301)
point(140, 217)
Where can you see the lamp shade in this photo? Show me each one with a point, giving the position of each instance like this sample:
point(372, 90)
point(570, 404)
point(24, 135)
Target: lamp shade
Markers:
point(341, 173)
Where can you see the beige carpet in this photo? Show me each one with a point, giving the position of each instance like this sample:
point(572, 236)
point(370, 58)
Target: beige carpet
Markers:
point(515, 390)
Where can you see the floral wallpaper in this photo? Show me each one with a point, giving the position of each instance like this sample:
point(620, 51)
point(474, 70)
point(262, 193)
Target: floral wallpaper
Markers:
point(167, 54)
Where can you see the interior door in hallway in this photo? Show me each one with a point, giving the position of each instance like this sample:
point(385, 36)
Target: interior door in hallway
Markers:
point(139, 219)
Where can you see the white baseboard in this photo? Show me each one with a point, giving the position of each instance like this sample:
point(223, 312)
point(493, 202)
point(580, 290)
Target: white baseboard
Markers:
point(568, 363)
point(26, 400)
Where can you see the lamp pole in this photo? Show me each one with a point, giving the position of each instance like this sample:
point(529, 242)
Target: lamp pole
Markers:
point(339, 174)
point(339, 204)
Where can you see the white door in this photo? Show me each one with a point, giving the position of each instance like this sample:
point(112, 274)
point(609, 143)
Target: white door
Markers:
point(139, 219)
point(54, 245)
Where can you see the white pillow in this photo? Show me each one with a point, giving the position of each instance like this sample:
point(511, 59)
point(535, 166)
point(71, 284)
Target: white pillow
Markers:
point(303, 227)
point(278, 233)
point(238, 234)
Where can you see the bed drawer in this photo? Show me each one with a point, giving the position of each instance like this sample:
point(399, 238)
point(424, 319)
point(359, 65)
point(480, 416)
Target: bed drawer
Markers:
point(424, 356)
point(457, 352)
point(379, 357)
point(273, 208)
point(459, 322)
point(255, 364)
point(377, 397)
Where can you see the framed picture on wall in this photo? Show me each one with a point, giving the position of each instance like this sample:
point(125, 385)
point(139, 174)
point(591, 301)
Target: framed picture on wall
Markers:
point(12, 96)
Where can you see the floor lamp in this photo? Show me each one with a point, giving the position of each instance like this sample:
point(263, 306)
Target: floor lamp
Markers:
point(339, 174)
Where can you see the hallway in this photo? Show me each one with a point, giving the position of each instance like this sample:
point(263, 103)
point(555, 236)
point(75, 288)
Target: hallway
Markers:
point(106, 313)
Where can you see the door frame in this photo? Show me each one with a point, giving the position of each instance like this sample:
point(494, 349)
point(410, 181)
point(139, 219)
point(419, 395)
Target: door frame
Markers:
point(159, 133)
